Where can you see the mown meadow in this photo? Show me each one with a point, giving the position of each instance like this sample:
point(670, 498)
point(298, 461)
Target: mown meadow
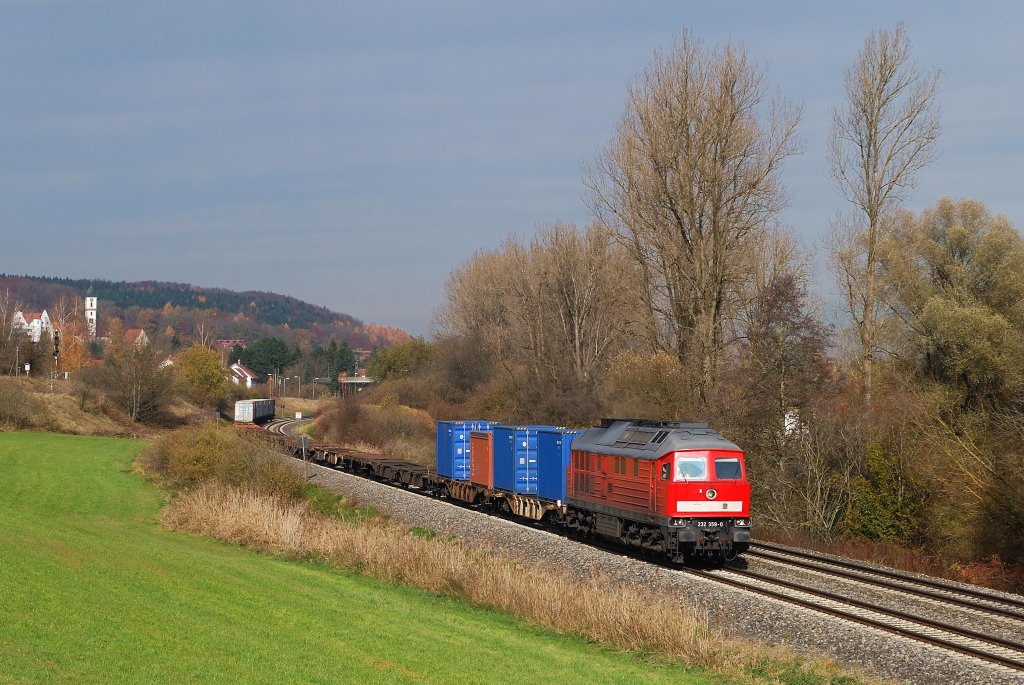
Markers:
point(94, 590)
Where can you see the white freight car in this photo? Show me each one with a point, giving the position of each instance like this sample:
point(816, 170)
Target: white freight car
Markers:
point(254, 411)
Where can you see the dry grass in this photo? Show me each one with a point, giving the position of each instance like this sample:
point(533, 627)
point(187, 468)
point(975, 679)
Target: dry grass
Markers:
point(59, 407)
point(388, 428)
point(287, 406)
point(626, 617)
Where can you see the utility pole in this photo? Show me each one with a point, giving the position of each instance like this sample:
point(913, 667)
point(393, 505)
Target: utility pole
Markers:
point(56, 357)
point(305, 464)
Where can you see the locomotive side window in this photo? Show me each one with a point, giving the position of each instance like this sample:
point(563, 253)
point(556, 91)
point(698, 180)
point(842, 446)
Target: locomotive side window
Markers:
point(666, 470)
point(691, 468)
point(728, 469)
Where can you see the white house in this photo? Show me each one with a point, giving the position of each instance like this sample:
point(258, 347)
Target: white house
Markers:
point(33, 323)
point(242, 375)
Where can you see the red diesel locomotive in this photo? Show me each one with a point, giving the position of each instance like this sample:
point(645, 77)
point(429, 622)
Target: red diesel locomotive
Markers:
point(673, 487)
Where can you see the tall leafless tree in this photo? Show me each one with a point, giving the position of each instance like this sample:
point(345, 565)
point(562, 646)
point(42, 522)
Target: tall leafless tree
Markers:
point(10, 335)
point(691, 174)
point(882, 136)
point(550, 314)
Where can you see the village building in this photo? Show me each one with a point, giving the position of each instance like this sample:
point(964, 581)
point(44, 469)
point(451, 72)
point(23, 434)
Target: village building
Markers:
point(242, 375)
point(136, 336)
point(90, 313)
point(33, 324)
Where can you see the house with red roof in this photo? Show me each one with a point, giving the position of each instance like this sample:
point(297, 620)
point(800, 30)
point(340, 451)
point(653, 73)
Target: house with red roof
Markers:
point(243, 375)
point(136, 336)
point(33, 323)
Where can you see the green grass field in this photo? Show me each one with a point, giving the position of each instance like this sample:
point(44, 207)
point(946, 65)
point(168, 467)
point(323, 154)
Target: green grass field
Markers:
point(93, 590)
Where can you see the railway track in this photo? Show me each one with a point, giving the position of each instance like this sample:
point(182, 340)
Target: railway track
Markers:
point(975, 599)
point(1005, 654)
point(284, 427)
point(1008, 654)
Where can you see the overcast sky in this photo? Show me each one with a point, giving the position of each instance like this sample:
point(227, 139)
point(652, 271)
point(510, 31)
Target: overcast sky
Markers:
point(352, 154)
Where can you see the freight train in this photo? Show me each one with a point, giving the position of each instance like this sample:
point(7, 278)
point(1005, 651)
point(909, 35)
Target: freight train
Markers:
point(254, 411)
point(674, 489)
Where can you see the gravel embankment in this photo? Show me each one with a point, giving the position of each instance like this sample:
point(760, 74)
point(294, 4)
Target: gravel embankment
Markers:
point(738, 613)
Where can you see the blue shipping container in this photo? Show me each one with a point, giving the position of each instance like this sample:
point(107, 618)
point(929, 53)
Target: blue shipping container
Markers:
point(453, 447)
point(515, 458)
point(554, 449)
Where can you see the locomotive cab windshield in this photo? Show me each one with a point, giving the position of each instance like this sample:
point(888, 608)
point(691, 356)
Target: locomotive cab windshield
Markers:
point(695, 467)
point(689, 467)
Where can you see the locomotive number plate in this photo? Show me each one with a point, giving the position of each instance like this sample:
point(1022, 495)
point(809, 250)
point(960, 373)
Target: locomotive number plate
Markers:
point(711, 524)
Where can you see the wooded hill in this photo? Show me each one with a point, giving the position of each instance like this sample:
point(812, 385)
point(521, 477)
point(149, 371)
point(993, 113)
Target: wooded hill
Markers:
point(180, 309)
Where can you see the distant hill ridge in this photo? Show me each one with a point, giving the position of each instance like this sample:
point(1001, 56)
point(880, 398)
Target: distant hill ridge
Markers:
point(172, 313)
point(266, 307)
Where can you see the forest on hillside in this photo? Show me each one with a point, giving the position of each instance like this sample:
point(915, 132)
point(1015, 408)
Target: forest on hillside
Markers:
point(175, 313)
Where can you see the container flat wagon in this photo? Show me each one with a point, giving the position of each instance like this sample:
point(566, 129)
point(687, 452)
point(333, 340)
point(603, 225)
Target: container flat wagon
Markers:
point(673, 488)
point(254, 411)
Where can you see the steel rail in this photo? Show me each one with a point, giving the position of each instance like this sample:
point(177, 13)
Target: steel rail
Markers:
point(977, 593)
point(1012, 662)
point(890, 581)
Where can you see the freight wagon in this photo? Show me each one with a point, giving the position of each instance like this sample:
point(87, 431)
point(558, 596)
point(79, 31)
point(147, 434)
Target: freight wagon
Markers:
point(254, 411)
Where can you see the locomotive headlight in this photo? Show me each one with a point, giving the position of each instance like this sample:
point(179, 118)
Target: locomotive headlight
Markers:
point(743, 522)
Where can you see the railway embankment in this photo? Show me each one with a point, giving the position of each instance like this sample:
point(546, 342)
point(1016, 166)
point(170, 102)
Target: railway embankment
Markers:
point(626, 616)
point(732, 612)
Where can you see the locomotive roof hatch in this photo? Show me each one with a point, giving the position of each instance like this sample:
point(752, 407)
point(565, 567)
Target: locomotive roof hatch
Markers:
point(647, 439)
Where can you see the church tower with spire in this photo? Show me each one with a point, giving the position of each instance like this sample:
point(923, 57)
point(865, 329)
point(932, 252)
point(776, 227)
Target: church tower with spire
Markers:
point(90, 312)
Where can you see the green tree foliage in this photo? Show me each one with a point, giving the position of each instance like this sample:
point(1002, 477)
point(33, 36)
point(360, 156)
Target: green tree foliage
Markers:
point(882, 503)
point(269, 308)
point(266, 355)
point(206, 381)
point(399, 360)
point(329, 362)
point(953, 279)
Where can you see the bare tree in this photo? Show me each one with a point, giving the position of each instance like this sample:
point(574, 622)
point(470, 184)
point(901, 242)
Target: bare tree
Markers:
point(882, 136)
point(11, 337)
point(68, 322)
point(549, 315)
point(585, 294)
point(203, 337)
point(134, 379)
point(691, 174)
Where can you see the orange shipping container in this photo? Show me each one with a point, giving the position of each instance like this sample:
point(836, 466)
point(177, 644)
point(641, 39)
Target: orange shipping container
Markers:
point(481, 458)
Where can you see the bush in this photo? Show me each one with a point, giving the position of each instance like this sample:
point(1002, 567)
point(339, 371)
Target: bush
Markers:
point(389, 428)
point(347, 422)
point(882, 505)
point(189, 457)
point(18, 407)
